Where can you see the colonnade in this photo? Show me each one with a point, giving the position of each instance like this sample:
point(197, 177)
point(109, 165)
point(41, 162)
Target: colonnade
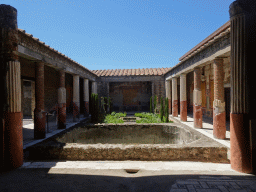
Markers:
point(219, 116)
point(40, 114)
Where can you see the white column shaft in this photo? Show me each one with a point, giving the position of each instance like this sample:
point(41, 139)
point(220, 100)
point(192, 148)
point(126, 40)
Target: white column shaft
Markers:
point(174, 89)
point(76, 89)
point(183, 94)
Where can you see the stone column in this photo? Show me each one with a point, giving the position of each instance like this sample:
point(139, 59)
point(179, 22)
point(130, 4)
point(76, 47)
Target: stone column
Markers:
point(183, 98)
point(174, 97)
point(153, 94)
point(11, 151)
point(243, 102)
point(197, 95)
point(86, 97)
point(94, 87)
point(39, 113)
point(219, 114)
point(76, 101)
point(207, 81)
point(168, 93)
point(62, 101)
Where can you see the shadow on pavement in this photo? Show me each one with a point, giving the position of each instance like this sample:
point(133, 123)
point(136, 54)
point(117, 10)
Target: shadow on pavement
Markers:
point(120, 181)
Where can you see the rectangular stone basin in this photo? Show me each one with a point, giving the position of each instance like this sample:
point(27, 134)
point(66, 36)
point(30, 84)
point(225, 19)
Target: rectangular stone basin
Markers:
point(130, 134)
point(162, 142)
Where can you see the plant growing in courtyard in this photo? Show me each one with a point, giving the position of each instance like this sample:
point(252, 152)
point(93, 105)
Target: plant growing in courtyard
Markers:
point(149, 118)
point(161, 109)
point(102, 105)
point(114, 118)
point(150, 107)
point(94, 110)
point(155, 102)
point(110, 104)
point(166, 110)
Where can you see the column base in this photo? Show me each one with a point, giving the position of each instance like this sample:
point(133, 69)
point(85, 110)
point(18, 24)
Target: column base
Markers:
point(198, 116)
point(86, 108)
point(75, 112)
point(183, 110)
point(175, 108)
point(13, 149)
point(219, 125)
point(240, 151)
point(62, 116)
point(170, 105)
point(39, 124)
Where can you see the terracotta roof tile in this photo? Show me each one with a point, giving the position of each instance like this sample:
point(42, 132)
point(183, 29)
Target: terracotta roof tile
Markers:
point(133, 71)
point(43, 43)
point(130, 72)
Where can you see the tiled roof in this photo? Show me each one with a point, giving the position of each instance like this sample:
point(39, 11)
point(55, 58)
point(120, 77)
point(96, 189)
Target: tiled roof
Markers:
point(129, 72)
point(43, 43)
point(223, 30)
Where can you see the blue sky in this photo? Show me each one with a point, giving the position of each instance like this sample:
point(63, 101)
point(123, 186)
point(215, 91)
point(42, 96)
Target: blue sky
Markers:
point(121, 34)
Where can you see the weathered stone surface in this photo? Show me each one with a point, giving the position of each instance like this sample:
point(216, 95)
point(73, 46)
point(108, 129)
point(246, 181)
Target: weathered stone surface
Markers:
point(203, 149)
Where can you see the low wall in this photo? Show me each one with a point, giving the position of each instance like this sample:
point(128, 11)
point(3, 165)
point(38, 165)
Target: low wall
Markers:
point(203, 149)
point(129, 152)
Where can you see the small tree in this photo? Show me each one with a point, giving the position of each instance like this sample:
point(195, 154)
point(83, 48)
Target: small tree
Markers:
point(166, 111)
point(106, 104)
point(150, 107)
point(92, 100)
point(161, 109)
point(97, 111)
point(102, 105)
point(94, 110)
point(155, 102)
point(109, 110)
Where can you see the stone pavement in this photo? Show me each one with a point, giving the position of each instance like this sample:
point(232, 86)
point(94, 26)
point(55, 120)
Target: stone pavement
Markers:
point(214, 184)
point(134, 176)
point(126, 176)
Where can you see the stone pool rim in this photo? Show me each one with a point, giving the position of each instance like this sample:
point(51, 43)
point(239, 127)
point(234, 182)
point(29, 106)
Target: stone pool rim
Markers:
point(189, 152)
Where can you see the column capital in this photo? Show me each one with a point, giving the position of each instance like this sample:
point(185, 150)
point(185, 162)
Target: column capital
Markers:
point(183, 75)
point(240, 7)
point(218, 58)
point(9, 33)
point(39, 62)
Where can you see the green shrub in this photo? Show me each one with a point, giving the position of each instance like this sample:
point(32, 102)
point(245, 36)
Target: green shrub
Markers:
point(114, 117)
point(150, 107)
point(161, 109)
point(155, 103)
point(149, 118)
point(166, 110)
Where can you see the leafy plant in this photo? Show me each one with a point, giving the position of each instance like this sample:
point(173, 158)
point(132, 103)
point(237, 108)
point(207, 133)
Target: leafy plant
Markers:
point(114, 118)
point(149, 118)
point(166, 110)
point(150, 107)
point(94, 109)
point(161, 109)
point(155, 102)
point(110, 105)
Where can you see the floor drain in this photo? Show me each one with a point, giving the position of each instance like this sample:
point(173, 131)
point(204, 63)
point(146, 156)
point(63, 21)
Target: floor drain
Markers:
point(131, 171)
